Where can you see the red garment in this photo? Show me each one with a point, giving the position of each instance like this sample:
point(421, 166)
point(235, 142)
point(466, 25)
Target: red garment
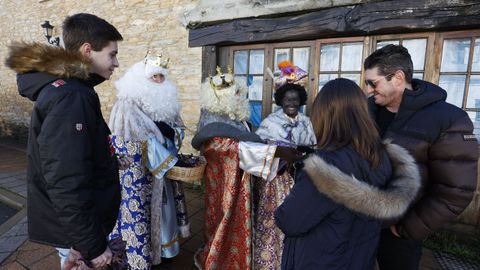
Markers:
point(228, 218)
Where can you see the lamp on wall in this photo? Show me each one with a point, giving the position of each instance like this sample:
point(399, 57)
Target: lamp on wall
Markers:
point(48, 33)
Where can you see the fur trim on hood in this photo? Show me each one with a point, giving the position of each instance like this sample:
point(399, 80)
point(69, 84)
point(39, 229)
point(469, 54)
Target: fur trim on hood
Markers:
point(388, 203)
point(36, 57)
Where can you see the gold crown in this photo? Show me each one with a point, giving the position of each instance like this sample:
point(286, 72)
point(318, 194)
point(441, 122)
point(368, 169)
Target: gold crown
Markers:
point(222, 80)
point(156, 60)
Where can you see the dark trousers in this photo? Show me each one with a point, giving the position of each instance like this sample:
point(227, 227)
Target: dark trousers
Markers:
point(398, 254)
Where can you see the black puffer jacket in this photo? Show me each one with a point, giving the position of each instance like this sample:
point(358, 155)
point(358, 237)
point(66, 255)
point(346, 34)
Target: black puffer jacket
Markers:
point(73, 186)
point(439, 136)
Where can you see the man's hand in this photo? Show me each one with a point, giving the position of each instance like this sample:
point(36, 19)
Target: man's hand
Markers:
point(289, 154)
point(104, 259)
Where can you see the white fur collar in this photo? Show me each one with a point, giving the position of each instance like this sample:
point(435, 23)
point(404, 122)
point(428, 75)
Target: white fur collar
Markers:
point(391, 202)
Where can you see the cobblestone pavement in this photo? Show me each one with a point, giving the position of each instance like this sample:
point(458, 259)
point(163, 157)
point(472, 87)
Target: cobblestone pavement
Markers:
point(17, 253)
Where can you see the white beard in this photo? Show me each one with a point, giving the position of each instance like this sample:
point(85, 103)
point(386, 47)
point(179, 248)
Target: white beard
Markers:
point(140, 102)
point(157, 100)
point(226, 101)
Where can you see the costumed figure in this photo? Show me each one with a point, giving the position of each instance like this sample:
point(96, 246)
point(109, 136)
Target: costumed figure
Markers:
point(232, 153)
point(285, 127)
point(147, 127)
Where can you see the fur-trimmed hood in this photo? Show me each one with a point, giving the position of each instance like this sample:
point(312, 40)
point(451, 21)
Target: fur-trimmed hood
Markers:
point(36, 57)
point(388, 203)
point(40, 64)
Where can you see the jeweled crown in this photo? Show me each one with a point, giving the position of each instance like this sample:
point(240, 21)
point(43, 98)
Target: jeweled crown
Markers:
point(156, 60)
point(222, 80)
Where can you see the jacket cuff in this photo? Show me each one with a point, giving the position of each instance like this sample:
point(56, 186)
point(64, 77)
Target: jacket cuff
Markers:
point(402, 232)
point(93, 252)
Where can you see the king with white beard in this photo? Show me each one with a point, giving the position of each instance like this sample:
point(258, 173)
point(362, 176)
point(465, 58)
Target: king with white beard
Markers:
point(147, 129)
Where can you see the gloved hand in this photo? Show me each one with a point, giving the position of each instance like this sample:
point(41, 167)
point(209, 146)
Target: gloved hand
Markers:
point(305, 149)
point(289, 154)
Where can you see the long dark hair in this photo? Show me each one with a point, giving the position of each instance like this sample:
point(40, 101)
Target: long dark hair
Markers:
point(340, 117)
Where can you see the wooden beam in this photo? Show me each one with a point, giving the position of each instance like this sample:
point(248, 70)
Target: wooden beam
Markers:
point(362, 19)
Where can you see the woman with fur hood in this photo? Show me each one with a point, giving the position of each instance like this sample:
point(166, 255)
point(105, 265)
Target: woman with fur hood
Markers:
point(147, 127)
point(332, 216)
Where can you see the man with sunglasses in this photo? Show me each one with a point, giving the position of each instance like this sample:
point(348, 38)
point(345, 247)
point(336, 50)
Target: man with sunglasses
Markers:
point(413, 113)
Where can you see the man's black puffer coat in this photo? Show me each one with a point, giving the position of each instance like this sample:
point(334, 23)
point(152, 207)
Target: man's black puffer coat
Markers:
point(439, 136)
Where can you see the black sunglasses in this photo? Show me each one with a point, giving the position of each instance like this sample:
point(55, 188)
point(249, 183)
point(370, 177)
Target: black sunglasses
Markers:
point(373, 83)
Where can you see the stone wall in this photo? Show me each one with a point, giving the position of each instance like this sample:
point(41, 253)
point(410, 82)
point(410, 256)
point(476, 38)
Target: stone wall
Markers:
point(143, 24)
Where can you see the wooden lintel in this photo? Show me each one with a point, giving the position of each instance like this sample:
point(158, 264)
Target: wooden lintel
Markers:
point(362, 19)
point(209, 61)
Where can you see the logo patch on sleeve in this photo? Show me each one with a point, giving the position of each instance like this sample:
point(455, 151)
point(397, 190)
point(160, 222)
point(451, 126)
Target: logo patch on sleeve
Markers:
point(79, 127)
point(469, 137)
point(59, 83)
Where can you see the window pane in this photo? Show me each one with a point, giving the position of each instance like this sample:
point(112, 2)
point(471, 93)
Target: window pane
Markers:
point(473, 99)
point(255, 86)
point(455, 55)
point(475, 117)
point(476, 56)
point(418, 75)
point(382, 44)
point(242, 81)
point(329, 57)
point(281, 55)
point(324, 78)
point(455, 85)
point(301, 57)
point(417, 49)
point(352, 56)
point(353, 77)
point(255, 113)
point(256, 62)
point(240, 62)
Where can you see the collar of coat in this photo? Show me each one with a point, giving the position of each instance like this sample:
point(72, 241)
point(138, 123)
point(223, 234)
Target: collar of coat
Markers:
point(36, 57)
point(387, 203)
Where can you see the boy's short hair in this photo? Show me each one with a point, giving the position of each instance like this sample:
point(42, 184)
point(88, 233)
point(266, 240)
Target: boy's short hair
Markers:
point(83, 27)
point(390, 59)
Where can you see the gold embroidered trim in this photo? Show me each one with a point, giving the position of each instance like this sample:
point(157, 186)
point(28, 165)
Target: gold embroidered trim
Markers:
point(265, 161)
point(144, 152)
point(271, 164)
point(171, 243)
point(163, 166)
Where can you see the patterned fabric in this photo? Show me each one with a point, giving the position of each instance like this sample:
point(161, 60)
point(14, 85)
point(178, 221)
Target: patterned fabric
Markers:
point(268, 237)
point(181, 207)
point(278, 129)
point(228, 232)
point(148, 221)
point(134, 216)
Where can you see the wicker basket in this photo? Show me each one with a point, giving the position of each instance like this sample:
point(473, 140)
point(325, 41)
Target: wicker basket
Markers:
point(187, 174)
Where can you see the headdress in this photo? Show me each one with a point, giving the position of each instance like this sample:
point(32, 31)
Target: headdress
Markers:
point(222, 80)
point(220, 94)
point(155, 64)
point(289, 74)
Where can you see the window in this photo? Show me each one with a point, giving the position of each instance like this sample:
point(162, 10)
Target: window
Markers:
point(459, 72)
point(449, 59)
point(340, 59)
point(249, 68)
